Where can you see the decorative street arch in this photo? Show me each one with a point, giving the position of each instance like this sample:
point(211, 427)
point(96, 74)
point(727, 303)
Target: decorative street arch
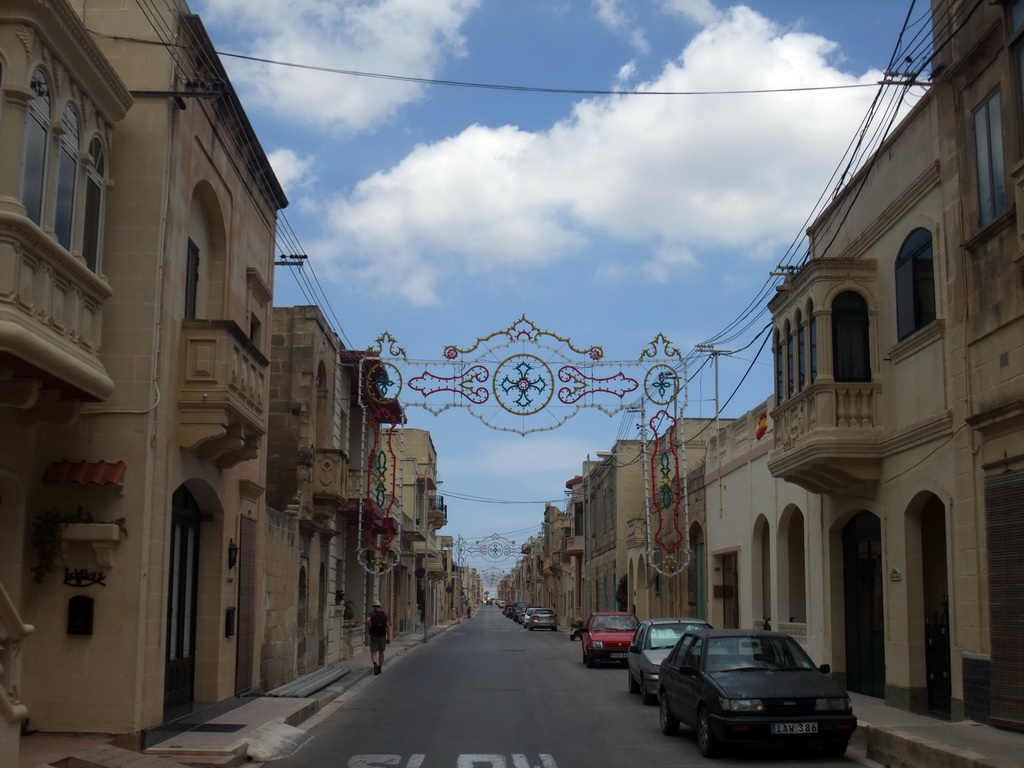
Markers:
point(523, 379)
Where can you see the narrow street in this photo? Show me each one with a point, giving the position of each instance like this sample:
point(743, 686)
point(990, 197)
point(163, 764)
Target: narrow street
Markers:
point(490, 694)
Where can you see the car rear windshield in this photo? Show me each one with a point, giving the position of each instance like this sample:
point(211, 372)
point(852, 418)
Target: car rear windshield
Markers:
point(615, 622)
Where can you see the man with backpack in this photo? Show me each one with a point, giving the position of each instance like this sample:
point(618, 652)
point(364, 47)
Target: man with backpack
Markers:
point(379, 628)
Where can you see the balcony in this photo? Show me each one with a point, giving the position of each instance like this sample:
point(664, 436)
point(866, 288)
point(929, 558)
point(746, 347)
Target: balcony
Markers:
point(51, 316)
point(827, 438)
point(221, 396)
point(330, 473)
point(573, 547)
point(437, 511)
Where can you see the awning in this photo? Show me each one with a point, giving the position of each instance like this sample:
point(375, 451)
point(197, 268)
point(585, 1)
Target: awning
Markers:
point(85, 473)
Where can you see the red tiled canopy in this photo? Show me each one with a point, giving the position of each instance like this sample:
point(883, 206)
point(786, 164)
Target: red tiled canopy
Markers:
point(85, 473)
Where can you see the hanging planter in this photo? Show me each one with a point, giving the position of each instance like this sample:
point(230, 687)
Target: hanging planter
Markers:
point(52, 527)
point(622, 593)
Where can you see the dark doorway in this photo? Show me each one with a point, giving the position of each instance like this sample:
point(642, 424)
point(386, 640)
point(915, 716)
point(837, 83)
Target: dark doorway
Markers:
point(182, 587)
point(862, 581)
point(729, 591)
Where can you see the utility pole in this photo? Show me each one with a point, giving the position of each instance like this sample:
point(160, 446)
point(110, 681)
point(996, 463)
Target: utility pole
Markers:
point(709, 349)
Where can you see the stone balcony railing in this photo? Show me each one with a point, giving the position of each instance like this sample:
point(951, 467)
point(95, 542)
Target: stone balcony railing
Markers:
point(12, 631)
point(827, 438)
point(51, 319)
point(222, 393)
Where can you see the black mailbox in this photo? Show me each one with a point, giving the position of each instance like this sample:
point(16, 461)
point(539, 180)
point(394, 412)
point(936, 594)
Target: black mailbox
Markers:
point(80, 610)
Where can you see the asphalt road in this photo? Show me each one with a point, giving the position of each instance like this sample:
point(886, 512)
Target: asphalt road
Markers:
point(490, 694)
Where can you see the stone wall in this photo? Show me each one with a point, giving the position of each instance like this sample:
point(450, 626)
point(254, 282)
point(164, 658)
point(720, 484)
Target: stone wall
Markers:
point(280, 561)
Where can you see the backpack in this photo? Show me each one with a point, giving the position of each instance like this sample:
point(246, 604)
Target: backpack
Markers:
point(378, 623)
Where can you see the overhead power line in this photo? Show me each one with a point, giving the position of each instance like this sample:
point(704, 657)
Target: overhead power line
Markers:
point(534, 88)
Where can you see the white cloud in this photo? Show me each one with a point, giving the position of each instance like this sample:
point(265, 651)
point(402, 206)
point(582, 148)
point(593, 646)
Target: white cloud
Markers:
point(663, 176)
point(702, 12)
point(292, 171)
point(410, 38)
point(612, 13)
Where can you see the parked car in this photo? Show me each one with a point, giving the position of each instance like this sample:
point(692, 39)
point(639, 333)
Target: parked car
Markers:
point(606, 635)
point(541, 618)
point(651, 642)
point(752, 687)
point(521, 617)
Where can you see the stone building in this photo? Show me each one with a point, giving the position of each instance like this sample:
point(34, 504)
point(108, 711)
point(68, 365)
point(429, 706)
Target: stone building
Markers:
point(314, 456)
point(898, 390)
point(137, 262)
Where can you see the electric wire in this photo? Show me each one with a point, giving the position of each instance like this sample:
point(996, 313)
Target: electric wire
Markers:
point(864, 145)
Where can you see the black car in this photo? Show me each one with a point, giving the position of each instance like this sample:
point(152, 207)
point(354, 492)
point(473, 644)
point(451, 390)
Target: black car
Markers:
point(752, 687)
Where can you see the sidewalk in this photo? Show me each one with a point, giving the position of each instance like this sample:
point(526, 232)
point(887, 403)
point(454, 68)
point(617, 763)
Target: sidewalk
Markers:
point(900, 739)
point(268, 728)
point(262, 728)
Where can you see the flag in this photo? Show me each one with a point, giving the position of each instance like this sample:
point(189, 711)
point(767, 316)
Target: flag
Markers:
point(762, 425)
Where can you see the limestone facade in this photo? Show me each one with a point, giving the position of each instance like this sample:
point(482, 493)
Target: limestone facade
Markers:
point(137, 268)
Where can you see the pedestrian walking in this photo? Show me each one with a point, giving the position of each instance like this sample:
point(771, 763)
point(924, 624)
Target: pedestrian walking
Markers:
point(379, 627)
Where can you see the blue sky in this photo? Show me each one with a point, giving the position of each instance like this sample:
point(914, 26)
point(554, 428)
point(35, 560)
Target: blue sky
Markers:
point(441, 213)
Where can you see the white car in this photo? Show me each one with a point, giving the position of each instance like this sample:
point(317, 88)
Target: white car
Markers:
point(651, 642)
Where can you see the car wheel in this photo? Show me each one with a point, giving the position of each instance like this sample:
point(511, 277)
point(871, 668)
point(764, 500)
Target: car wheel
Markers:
point(589, 659)
point(530, 628)
point(669, 724)
point(634, 687)
point(646, 696)
point(706, 739)
point(835, 749)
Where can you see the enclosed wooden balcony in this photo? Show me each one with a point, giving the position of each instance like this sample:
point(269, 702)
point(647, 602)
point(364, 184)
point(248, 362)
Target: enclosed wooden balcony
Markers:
point(222, 393)
point(828, 437)
point(51, 318)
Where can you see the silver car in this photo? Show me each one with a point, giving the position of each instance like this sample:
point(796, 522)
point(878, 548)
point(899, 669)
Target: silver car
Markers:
point(652, 641)
point(541, 618)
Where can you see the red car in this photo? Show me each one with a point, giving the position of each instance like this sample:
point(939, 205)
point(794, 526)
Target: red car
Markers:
point(606, 636)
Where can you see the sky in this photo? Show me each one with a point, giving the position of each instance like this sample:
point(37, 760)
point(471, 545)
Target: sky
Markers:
point(610, 170)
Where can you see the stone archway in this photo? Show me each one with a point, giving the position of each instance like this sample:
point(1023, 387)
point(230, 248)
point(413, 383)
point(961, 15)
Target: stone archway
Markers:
point(927, 587)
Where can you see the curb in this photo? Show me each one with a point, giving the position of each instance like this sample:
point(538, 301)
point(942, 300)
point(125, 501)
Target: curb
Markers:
point(898, 749)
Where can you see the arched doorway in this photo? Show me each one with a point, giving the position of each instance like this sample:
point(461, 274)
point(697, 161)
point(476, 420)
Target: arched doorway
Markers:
point(696, 576)
point(863, 606)
point(761, 571)
point(928, 607)
point(182, 598)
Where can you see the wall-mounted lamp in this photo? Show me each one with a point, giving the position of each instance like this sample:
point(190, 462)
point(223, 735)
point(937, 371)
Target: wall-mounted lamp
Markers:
point(232, 554)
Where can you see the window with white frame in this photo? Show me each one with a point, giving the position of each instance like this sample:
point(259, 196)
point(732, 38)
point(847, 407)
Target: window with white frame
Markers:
point(988, 145)
point(851, 359)
point(37, 139)
point(67, 176)
point(95, 184)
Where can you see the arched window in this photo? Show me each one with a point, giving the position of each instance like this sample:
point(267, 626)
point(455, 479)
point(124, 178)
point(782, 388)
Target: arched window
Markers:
point(915, 283)
point(812, 336)
point(790, 363)
point(37, 133)
point(67, 176)
point(851, 360)
point(95, 183)
point(801, 351)
point(780, 393)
